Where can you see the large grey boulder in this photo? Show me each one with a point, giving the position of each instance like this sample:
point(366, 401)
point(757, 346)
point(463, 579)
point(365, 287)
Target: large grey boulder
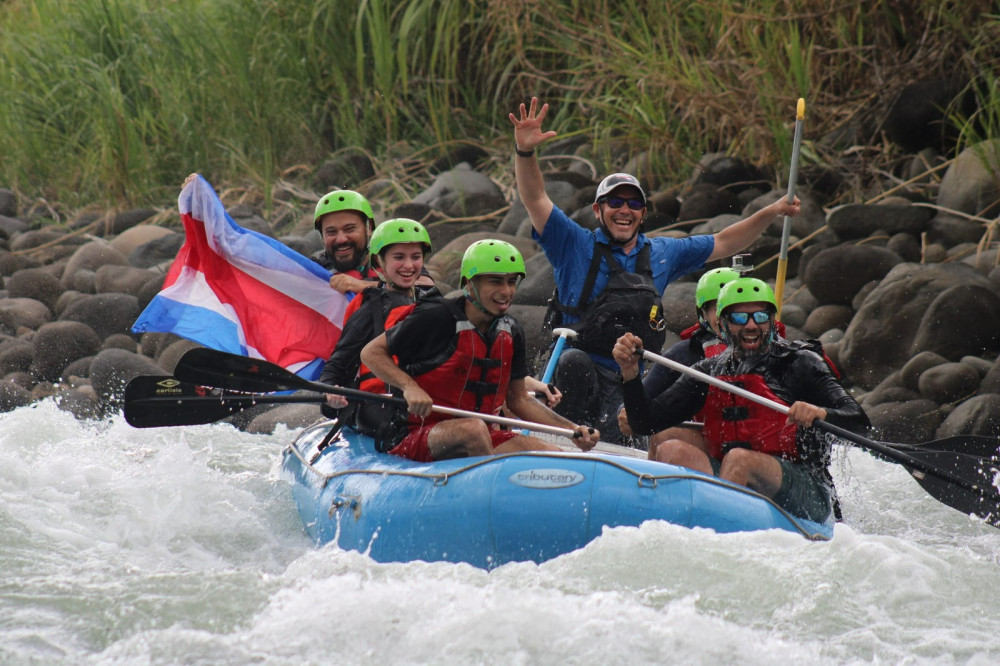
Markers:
point(27, 312)
point(13, 396)
point(881, 336)
point(58, 343)
point(124, 279)
point(88, 258)
point(112, 369)
point(290, 416)
point(979, 415)
point(36, 283)
point(836, 274)
point(105, 313)
point(909, 422)
point(462, 192)
point(962, 320)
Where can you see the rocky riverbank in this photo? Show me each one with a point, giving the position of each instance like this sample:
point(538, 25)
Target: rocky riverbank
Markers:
point(903, 290)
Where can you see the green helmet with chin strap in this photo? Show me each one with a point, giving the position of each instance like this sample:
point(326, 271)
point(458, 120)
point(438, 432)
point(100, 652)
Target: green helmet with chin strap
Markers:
point(745, 290)
point(339, 200)
point(491, 257)
point(711, 283)
point(399, 230)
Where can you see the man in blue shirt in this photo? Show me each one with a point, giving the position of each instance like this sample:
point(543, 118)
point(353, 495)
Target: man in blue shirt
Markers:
point(587, 374)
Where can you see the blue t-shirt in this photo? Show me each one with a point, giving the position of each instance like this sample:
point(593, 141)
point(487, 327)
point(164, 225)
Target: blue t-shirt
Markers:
point(570, 248)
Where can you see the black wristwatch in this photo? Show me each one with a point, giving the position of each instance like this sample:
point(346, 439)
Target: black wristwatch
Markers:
point(523, 153)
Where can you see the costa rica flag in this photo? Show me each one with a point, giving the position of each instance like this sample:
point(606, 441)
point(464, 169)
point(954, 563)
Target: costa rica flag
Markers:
point(239, 291)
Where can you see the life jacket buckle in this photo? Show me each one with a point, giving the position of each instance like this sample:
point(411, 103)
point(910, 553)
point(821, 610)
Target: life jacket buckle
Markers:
point(736, 413)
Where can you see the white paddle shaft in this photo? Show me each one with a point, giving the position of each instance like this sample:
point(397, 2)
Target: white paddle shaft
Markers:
point(714, 381)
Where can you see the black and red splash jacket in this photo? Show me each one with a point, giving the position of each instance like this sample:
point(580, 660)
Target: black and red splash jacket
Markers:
point(785, 372)
point(472, 372)
point(379, 309)
point(696, 343)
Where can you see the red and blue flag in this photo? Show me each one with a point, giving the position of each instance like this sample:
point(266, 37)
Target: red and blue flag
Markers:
point(239, 291)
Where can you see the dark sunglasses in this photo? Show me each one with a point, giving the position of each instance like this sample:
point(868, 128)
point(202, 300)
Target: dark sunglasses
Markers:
point(618, 202)
point(741, 318)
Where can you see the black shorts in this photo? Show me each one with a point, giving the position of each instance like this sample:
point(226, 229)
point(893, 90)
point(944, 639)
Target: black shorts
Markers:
point(802, 494)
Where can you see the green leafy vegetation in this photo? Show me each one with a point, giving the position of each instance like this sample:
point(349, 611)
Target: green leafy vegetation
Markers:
point(116, 101)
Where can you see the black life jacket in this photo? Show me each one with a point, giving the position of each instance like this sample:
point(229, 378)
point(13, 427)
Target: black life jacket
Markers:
point(629, 302)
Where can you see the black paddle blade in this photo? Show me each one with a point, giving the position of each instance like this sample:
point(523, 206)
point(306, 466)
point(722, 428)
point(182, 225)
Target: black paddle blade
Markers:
point(964, 481)
point(154, 402)
point(235, 372)
point(975, 445)
point(249, 375)
point(979, 497)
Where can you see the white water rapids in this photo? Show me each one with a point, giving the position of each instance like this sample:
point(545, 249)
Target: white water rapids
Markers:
point(182, 545)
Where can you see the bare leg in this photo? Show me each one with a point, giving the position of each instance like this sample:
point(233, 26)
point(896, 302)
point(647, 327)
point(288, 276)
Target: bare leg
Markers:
point(678, 452)
point(692, 436)
point(459, 438)
point(525, 443)
point(757, 471)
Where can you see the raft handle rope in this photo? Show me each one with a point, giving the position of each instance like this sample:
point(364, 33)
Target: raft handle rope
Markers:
point(442, 479)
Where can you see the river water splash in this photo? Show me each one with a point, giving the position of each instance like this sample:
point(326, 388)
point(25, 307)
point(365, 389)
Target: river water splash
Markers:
point(182, 545)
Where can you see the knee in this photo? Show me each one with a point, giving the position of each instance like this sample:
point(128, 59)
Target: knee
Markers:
point(475, 437)
point(737, 464)
point(670, 451)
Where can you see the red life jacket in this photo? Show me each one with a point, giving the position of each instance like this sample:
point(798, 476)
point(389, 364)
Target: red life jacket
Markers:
point(711, 347)
point(475, 376)
point(367, 379)
point(731, 420)
point(366, 273)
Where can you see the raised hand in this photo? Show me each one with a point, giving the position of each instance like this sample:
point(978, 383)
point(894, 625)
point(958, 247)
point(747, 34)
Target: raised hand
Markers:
point(528, 128)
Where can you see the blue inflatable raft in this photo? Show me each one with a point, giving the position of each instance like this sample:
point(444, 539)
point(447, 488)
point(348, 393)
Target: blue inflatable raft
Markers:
point(488, 511)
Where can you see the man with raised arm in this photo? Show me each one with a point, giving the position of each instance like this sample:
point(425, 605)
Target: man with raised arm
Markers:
point(610, 280)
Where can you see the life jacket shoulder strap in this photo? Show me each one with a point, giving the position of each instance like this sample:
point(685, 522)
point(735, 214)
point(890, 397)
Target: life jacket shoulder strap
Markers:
point(604, 253)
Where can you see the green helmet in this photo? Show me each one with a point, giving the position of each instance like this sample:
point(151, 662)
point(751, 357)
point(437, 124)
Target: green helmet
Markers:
point(745, 290)
point(399, 230)
point(491, 257)
point(711, 283)
point(343, 200)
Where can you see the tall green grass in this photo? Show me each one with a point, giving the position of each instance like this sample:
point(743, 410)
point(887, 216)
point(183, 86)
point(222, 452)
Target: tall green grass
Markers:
point(115, 101)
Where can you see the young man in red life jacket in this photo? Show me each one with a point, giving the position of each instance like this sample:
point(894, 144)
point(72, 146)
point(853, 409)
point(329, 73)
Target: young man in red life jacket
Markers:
point(779, 457)
point(345, 221)
point(466, 353)
point(697, 342)
point(398, 249)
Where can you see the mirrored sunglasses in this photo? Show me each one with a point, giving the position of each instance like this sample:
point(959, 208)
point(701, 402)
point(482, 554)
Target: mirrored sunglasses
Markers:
point(618, 202)
point(741, 318)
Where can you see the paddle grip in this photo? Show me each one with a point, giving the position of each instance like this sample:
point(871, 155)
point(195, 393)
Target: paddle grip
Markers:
point(550, 368)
